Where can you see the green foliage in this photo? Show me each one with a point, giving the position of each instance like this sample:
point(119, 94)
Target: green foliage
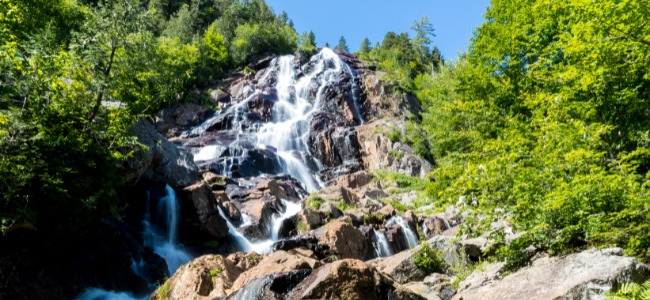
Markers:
point(255, 39)
point(307, 42)
point(342, 45)
point(365, 47)
point(428, 259)
point(397, 205)
point(314, 201)
point(302, 227)
point(215, 272)
point(396, 154)
point(631, 291)
point(544, 120)
point(394, 135)
point(163, 290)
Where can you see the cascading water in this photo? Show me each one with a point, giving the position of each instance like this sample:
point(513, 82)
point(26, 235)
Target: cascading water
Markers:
point(166, 245)
point(411, 238)
point(164, 242)
point(382, 248)
point(290, 209)
point(289, 126)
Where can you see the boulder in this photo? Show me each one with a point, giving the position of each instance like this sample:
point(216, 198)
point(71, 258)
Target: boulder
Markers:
point(330, 210)
point(346, 241)
point(350, 279)
point(271, 287)
point(205, 208)
point(401, 267)
point(434, 287)
point(172, 122)
point(160, 162)
point(219, 97)
point(205, 277)
point(339, 193)
point(386, 212)
point(586, 275)
point(396, 238)
point(278, 261)
point(354, 180)
point(311, 218)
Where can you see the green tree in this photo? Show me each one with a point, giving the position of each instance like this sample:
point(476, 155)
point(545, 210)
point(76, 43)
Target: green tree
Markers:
point(181, 25)
point(342, 46)
point(365, 46)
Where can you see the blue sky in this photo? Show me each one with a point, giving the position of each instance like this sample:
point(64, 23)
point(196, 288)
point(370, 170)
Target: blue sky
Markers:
point(454, 20)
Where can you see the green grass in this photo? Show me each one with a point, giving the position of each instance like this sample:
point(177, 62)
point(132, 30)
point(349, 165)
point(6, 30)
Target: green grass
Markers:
point(215, 272)
point(163, 291)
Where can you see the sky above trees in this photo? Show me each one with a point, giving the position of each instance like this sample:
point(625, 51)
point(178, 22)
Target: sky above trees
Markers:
point(454, 21)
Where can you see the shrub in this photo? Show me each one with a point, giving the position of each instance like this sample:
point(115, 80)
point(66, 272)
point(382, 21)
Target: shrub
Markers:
point(428, 259)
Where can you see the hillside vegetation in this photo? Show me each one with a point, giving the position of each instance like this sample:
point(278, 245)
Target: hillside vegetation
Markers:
point(546, 120)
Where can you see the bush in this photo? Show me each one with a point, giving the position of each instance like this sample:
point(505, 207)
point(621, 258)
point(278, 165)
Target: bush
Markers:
point(428, 259)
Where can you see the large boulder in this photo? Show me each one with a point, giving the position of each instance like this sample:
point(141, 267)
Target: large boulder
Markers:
point(401, 267)
point(172, 122)
point(160, 162)
point(586, 275)
point(278, 261)
point(200, 205)
point(205, 277)
point(346, 241)
point(350, 279)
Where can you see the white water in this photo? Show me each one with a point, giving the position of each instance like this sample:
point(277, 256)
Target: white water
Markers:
point(291, 114)
point(290, 210)
point(166, 245)
point(242, 242)
point(382, 248)
point(168, 248)
point(425, 230)
point(99, 294)
point(446, 223)
point(411, 238)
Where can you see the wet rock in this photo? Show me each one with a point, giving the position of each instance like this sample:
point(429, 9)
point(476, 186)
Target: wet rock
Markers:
point(216, 182)
point(586, 275)
point(396, 238)
point(435, 225)
point(346, 241)
point(350, 279)
point(335, 146)
point(203, 205)
point(162, 162)
point(262, 105)
point(232, 212)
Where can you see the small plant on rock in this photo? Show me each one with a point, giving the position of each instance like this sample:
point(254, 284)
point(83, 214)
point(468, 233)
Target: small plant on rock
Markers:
point(428, 259)
point(631, 291)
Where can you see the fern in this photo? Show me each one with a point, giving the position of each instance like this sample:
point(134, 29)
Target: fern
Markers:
point(631, 291)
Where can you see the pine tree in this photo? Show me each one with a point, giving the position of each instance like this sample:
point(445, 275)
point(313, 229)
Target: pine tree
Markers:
point(365, 46)
point(342, 46)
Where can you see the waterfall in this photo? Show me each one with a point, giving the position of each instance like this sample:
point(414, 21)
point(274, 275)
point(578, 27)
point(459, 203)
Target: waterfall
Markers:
point(446, 223)
point(166, 245)
point(411, 238)
point(298, 100)
point(163, 242)
point(290, 210)
point(382, 248)
point(425, 230)
point(242, 242)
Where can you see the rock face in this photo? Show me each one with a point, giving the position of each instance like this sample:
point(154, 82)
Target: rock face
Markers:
point(376, 149)
point(349, 279)
point(162, 162)
point(586, 275)
point(401, 267)
point(346, 241)
point(172, 122)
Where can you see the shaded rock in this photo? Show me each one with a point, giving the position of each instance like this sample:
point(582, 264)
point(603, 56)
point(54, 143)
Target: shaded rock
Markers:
point(219, 97)
point(232, 212)
point(172, 122)
point(396, 239)
point(338, 193)
point(585, 275)
point(346, 241)
point(272, 286)
point(162, 162)
point(349, 279)
point(356, 217)
point(204, 207)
